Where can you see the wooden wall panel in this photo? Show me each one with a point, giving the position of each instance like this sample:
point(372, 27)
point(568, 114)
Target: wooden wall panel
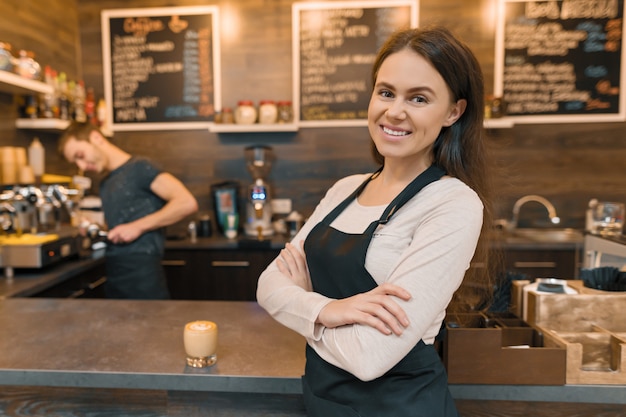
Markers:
point(50, 30)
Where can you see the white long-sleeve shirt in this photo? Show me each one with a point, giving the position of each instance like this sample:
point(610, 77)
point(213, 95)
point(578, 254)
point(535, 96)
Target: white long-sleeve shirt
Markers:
point(425, 248)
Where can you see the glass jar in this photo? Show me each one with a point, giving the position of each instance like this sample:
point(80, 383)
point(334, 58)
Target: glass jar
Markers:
point(268, 112)
point(285, 112)
point(26, 66)
point(6, 57)
point(245, 113)
point(227, 115)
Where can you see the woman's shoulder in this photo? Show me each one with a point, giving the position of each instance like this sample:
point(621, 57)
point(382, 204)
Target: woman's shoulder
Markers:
point(343, 187)
point(351, 181)
point(451, 190)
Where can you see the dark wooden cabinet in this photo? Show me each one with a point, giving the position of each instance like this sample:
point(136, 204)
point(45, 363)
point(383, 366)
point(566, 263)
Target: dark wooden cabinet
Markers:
point(87, 284)
point(544, 263)
point(183, 271)
point(215, 274)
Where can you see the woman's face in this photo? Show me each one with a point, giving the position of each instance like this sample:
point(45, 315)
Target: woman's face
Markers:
point(410, 104)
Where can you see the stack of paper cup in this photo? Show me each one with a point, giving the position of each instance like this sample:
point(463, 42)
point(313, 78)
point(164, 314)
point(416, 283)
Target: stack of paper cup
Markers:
point(15, 168)
point(26, 175)
point(9, 170)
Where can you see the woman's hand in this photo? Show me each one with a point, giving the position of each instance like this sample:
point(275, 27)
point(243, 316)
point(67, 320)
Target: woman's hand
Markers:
point(293, 264)
point(376, 308)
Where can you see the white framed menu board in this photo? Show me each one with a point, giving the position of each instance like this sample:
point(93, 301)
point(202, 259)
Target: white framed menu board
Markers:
point(334, 48)
point(561, 61)
point(161, 67)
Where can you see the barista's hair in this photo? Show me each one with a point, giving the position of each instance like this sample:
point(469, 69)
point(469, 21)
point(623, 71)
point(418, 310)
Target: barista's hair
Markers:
point(76, 130)
point(459, 149)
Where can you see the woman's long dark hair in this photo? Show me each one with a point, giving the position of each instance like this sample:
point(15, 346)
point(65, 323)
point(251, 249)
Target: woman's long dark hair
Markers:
point(459, 149)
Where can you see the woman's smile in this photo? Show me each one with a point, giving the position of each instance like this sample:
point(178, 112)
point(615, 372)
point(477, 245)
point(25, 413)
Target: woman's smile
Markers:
point(395, 131)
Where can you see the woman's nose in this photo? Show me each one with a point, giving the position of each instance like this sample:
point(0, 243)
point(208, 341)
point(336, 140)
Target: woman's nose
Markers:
point(396, 109)
point(82, 165)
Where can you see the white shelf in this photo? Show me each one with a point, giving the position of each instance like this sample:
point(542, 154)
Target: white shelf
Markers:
point(500, 123)
point(53, 125)
point(235, 128)
point(14, 84)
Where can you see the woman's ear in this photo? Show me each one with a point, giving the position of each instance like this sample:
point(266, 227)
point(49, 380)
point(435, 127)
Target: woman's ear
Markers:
point(456, 111)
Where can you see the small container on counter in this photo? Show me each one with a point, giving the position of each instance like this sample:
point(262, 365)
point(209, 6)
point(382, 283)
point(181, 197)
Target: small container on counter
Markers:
point(205, 228)
point(192, 229)
point(285, 111)
point(246, 113)
point(268, 112)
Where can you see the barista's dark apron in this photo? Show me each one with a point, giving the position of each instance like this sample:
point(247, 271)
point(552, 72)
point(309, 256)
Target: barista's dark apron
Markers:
point(417, 385)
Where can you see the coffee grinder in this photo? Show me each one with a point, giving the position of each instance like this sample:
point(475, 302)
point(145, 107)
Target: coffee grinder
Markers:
point(258, 208)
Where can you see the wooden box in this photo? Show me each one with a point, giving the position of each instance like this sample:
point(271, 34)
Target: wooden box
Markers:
point(499, 349)
point(590, 326)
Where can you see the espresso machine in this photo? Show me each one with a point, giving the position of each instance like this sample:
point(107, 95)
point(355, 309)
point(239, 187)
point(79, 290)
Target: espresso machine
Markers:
point(258, 222)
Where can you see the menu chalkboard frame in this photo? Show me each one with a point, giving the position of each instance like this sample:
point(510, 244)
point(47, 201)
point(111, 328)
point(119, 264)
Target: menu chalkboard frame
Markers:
point(211, 12)
point(297, 9)
point(618, 115)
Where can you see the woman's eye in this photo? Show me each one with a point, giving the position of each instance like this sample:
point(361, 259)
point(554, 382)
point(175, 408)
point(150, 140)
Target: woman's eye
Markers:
point(385, 93)
point(419, 99)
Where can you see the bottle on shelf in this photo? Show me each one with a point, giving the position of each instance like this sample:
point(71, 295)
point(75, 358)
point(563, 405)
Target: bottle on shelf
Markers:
point(55, 86)
point(79, 102)
point(47, 100)
point(101, 113)
point(29, 106)
point(36, 157)
point(90, 106)
point(64, 100)
point(71, 89)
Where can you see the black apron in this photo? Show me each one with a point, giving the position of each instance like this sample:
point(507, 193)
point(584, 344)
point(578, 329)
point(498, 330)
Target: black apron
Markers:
point(417, 385)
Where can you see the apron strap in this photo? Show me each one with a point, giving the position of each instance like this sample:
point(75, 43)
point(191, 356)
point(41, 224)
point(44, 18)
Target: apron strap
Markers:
point(341, 207)
point(432, 174)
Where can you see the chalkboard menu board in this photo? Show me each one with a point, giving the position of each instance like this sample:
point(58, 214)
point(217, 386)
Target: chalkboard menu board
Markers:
point(334, 47)
point(161, 67)
point(561, 61)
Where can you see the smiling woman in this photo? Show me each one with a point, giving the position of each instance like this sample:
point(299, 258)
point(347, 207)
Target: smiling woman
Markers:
point(368, 278)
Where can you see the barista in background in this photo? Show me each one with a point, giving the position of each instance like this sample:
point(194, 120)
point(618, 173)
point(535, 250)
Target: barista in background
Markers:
point(138, 200)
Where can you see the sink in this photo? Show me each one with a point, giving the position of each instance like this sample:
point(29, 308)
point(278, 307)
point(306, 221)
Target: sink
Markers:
point(549, 234)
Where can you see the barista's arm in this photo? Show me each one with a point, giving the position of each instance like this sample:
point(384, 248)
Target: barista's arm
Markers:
point(179, 204)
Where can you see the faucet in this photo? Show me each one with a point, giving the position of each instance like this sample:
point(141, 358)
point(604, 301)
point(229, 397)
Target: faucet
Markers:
point(536, 198)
